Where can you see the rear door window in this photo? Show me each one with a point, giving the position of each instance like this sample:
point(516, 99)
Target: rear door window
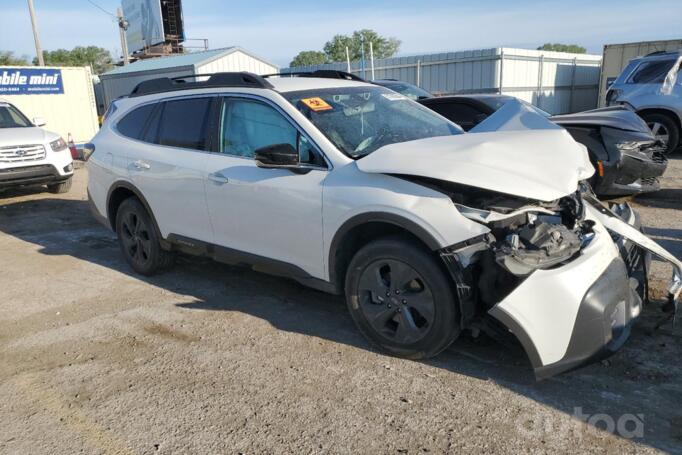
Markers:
point(184, 123)
point(652, 72)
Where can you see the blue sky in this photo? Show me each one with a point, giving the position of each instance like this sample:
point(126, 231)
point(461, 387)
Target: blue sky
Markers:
point(277, 30)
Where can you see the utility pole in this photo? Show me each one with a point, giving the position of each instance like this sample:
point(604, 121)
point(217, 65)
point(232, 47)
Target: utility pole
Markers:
point(122, 27)
point(36, 38)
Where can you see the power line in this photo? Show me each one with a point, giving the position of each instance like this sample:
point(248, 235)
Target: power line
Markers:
point(101, 9)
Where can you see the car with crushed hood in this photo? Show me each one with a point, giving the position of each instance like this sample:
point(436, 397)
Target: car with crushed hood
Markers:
point(627, 158)
point(353, 189)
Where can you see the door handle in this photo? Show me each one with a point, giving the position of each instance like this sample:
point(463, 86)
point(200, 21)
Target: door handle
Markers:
point(218, 178)
point(139, 164)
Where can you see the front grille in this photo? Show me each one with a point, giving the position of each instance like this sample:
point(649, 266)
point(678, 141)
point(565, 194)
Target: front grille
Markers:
point(22, 153)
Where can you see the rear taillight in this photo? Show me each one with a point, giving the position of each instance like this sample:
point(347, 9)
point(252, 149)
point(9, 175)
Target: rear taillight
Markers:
point(611, 96)
point(88, 150)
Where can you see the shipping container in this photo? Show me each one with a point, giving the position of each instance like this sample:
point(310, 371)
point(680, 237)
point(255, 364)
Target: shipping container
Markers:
point(617, 56)
point(66, 101)
point(122, 80)
point(557, 82)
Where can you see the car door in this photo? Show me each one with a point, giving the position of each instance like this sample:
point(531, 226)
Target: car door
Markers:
point(274, 214)
point(168, 166)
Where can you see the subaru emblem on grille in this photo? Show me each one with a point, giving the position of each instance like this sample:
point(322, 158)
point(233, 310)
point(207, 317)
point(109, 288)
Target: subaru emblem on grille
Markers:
point(20, 153)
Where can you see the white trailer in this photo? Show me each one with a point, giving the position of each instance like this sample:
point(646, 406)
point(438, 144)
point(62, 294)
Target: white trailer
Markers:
point(68, 107)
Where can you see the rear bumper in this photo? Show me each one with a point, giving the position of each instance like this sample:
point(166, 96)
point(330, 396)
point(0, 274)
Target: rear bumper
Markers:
point(34, 175)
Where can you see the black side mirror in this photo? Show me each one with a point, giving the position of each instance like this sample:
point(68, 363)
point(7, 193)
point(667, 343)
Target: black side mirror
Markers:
point(277, 156)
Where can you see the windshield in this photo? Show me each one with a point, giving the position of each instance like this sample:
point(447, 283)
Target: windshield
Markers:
point(359, 120)
point(11, 117)
point(411, 91)
point(496, 102)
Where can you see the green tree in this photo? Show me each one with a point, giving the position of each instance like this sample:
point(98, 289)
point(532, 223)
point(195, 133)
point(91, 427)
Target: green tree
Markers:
point(383, 47)
point(558, 47)
point(99, 58)
point(7, 58)
point(306, 58)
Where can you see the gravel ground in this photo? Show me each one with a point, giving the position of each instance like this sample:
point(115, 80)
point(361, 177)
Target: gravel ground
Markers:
point(215, 359)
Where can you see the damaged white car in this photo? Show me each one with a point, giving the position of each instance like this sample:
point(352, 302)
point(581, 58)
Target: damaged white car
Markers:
point(351, 188)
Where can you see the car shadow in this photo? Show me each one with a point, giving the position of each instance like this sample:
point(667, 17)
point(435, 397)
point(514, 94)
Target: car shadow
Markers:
point(665, 198)
point(639, 380)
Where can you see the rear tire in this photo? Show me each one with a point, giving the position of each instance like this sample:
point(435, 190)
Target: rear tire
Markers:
point(61, 187)
point(662, 126)
point(138, 239)
point(401, 299)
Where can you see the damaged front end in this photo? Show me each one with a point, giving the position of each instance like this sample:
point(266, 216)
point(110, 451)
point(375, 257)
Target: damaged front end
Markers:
point(549, 273)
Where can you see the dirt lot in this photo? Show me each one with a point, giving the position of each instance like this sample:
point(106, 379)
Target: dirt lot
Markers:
point(213, 359)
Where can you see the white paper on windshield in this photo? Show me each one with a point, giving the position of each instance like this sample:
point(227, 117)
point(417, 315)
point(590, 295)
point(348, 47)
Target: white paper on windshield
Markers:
point(394, 96)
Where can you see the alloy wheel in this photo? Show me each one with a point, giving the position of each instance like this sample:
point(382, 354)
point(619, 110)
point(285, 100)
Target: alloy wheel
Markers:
point(659, 131)
point(136, 239)
point(396, 301)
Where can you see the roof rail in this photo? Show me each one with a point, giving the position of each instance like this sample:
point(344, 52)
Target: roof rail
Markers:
point(327, 74)
point(167, 84)
point(659, 53)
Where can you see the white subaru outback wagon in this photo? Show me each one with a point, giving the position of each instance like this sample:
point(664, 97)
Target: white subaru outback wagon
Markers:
point(354, 189)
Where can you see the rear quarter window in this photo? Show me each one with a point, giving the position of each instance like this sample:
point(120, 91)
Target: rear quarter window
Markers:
point(133, 123)
point(652, 72)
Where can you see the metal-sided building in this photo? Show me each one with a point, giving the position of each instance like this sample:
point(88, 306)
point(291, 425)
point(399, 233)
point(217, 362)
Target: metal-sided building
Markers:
point(121, 81)
point(617, 56)
point(557, 82)
point(66, 101)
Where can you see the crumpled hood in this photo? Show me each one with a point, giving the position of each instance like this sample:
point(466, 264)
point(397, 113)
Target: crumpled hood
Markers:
point(25, 136)
point(613, 117)
point(544, 164)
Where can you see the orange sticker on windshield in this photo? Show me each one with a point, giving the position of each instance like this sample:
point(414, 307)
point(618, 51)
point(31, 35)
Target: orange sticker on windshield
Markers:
point(316, 104)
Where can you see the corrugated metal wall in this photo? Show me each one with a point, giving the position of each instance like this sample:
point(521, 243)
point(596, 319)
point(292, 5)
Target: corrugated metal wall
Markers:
point(73, 111)
point(617, 56)
point(237, 61)
point(117, 85)
point(558, 82)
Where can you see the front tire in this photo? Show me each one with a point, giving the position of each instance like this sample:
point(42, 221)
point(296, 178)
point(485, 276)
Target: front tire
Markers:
point(138, 239)
point(664, 129)
point(61, 187)
point(401, 299)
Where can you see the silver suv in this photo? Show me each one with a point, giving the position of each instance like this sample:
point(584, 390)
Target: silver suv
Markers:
point(652, 87)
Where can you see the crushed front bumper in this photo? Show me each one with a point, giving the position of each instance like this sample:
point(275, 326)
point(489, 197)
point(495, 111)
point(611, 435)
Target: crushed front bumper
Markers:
point(604, 320)
point(583, 310)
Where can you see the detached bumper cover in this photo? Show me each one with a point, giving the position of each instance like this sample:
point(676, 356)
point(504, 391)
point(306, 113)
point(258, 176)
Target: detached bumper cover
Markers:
point(615, 224)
